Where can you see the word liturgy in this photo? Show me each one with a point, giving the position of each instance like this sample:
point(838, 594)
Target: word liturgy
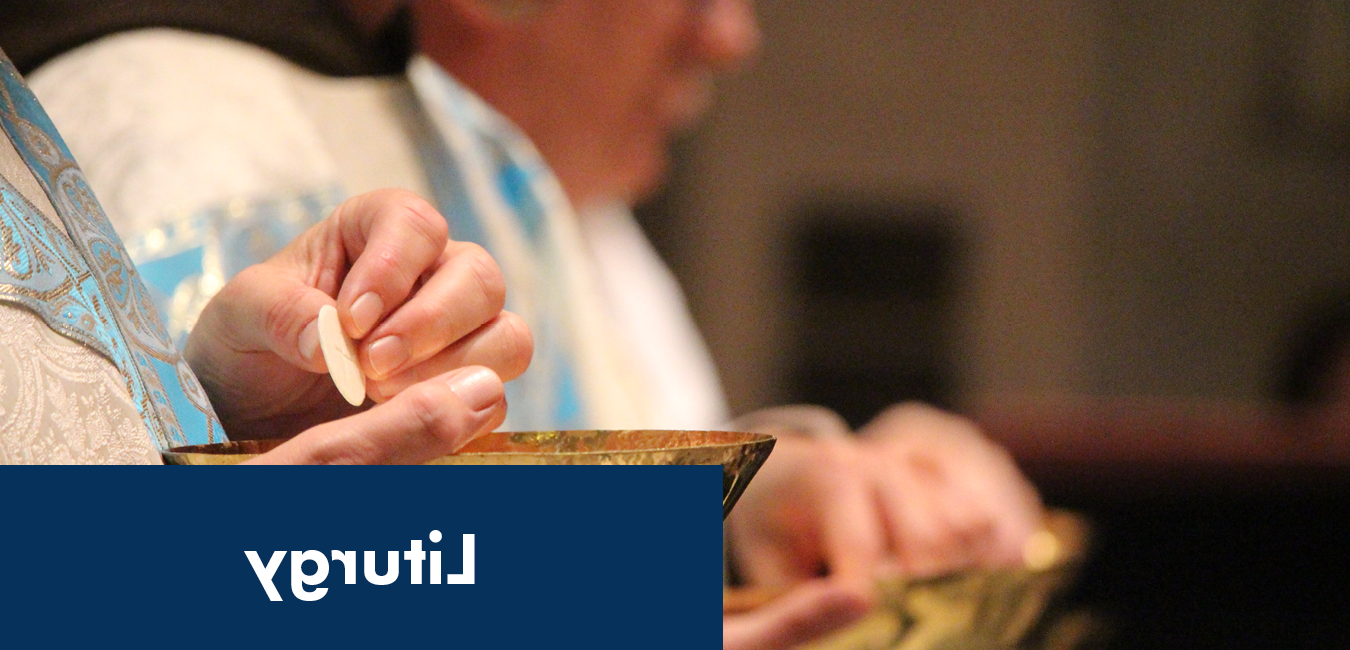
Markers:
point(414, 555)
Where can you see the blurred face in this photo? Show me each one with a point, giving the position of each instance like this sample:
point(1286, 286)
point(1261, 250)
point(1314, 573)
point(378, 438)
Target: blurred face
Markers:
point(601, 85)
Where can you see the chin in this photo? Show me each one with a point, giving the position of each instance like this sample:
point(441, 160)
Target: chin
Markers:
point(639, 175)
point(644, 180)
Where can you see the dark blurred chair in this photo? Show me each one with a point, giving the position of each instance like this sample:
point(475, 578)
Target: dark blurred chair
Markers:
point(1315, 372)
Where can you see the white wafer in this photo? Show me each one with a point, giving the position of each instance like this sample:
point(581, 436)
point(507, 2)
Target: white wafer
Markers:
point(340, 355)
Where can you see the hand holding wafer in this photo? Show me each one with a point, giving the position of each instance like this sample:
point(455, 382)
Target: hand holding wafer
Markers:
point(414, 303)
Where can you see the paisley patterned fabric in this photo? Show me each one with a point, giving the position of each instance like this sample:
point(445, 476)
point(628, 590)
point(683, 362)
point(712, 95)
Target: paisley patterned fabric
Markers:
point(82, 283)
point(62, 404)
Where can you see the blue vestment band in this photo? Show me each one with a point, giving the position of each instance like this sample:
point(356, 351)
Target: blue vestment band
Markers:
point(82, 282)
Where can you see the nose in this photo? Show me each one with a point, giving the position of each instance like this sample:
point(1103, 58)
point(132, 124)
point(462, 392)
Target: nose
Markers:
point(729, 34)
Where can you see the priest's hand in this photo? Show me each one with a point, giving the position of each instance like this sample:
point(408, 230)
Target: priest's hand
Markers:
point(417, 304)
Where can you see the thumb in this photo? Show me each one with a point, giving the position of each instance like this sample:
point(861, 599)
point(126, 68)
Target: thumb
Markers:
point(810, 610)
point(268, 307)
point(429, 419)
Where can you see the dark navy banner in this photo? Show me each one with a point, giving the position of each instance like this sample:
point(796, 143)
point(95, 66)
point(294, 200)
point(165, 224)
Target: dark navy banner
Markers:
point(264, 557)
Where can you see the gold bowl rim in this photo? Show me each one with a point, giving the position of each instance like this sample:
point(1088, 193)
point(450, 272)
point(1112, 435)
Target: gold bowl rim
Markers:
point(708, 440)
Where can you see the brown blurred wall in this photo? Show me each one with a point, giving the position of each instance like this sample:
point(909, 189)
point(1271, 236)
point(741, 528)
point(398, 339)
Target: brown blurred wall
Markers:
point(1129, 229)
point(1210, 232)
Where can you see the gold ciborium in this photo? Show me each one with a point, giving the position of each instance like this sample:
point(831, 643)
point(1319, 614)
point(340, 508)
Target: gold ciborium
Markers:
point(739, 454)
point(1005, 609)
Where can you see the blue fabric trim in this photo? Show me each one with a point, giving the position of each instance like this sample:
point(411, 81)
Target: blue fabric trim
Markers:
point(515, 185)
point(164, 275)
point(568, 411)
point(99, 297)
point(547, 396)
point(447, 185)
point(187, 259)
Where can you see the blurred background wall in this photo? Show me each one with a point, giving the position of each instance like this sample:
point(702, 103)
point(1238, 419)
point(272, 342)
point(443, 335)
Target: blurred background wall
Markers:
point(992, 202)
point(1138, 196)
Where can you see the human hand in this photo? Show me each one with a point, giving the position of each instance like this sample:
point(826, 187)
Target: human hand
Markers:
point(810, 610)
point(920, 491)
point(953, 498)
point(416, 303)
point(429, 419)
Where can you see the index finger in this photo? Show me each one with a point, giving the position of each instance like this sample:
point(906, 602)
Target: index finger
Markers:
point(393, 237)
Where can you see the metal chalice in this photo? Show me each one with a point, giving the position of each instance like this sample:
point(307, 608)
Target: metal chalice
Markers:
point(739, 454)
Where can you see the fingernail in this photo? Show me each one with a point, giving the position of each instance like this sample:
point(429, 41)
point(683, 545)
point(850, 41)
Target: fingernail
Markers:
point(309, 340)
point(478, 387)
point(366, 311)
point(387, 355)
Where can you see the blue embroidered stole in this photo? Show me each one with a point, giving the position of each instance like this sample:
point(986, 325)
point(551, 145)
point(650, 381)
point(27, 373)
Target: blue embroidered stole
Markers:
point(82, 283)
point(463, 138)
